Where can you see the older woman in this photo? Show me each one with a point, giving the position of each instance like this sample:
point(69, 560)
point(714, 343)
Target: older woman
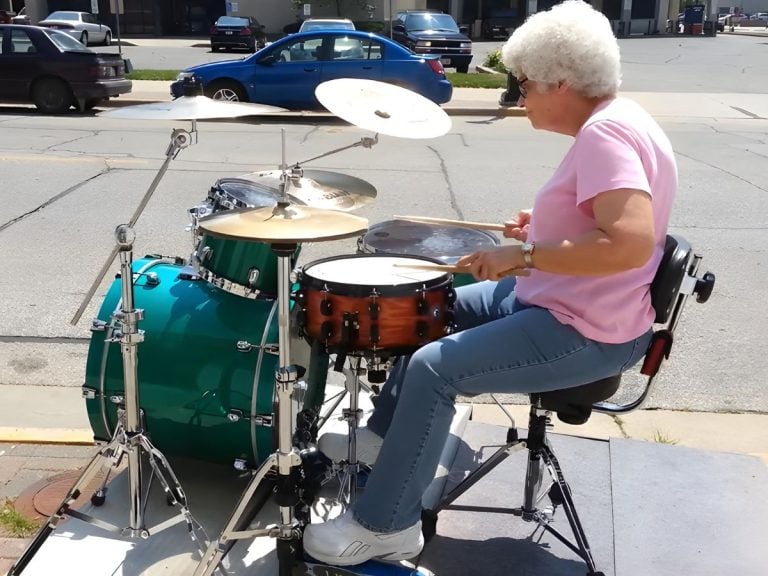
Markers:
point(590, 246)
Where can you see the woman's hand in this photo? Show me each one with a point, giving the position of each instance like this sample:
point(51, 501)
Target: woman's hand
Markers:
point(518, 228)
point(493, 264)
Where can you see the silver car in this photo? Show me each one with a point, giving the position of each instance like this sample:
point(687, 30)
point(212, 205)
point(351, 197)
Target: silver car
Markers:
point(80, 25)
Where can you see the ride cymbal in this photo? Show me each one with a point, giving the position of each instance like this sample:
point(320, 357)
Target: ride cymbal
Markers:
point(383, 108)
point(191, 108)
point(283, 224)
point(320, 189)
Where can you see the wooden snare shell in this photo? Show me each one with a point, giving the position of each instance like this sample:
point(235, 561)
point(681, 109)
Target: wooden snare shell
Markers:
point(362, 302)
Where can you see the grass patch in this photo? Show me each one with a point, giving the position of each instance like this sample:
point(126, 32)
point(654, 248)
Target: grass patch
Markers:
point(458, 80)
point(661, 438)
point(14, 524)
point(153, 75)
point(477, 80)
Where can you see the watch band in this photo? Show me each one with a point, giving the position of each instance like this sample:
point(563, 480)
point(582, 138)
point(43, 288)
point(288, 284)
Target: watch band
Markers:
point(527, 250)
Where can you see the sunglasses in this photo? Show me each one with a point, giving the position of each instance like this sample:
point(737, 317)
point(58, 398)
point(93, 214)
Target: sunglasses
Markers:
point(522, 88)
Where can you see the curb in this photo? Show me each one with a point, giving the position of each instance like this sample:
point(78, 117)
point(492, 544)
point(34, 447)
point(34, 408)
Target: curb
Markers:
point(69, 436)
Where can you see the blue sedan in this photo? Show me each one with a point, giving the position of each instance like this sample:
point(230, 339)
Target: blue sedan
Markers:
point(287, 72)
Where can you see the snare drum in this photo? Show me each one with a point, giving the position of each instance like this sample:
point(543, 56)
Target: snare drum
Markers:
point(445, 243)
point(364, 303)
point(240, 267)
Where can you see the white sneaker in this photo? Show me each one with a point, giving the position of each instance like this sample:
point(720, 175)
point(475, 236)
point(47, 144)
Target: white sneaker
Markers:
point(344, 542)
point(335, 445)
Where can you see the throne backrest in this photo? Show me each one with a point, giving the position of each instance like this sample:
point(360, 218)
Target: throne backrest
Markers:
point(669, 276)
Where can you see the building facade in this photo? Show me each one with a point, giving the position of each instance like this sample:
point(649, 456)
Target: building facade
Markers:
point(194, 17)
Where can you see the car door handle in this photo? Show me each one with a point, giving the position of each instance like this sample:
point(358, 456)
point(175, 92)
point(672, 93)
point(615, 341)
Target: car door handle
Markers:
point(310, 69)
point(367, 67)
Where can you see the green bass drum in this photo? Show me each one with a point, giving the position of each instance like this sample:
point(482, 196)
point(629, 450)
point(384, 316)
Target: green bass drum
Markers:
point(206, 367)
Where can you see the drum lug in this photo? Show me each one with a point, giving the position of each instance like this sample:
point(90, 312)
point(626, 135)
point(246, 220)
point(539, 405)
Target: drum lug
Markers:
point(90, 393)
point(326, 308)
point(245, 346)
point(422, 329)
point(205, 254)
point(235, 415)
point(98, 325)
point(152, 279)
point(422, 306)
point(253, 276)
point(241, 465)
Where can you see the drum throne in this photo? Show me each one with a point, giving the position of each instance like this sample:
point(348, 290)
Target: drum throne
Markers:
point(675, 280)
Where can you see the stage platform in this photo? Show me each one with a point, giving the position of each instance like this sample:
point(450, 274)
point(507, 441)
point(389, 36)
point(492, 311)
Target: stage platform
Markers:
point(648, 509)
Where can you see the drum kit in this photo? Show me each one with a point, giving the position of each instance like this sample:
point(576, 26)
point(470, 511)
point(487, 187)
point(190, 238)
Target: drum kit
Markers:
point(236, 340)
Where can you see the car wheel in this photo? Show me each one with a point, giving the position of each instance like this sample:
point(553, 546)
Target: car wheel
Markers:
point(214, 48)
point(84, 38)
point(463, 69)
point(225, 90)
point(52, 96)
point(108, 39)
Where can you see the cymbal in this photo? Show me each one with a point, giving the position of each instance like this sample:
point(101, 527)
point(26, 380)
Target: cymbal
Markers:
point(283, 224)
point(320, 189)
point(383, 108)
point(191, 108)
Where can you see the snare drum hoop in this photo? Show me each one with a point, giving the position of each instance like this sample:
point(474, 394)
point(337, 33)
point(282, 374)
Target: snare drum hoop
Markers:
point(306, 280)
point(366, 244)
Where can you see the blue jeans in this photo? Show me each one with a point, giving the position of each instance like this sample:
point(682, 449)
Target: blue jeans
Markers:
point(501, 346)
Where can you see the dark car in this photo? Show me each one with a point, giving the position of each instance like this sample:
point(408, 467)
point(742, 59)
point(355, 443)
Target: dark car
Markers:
point(237, 32)
point(55, 71)
point(429, 32)
point(287, 72)
point(500, 23)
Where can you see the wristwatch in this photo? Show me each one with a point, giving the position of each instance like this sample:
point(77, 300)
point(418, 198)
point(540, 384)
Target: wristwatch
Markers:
point(527, 250)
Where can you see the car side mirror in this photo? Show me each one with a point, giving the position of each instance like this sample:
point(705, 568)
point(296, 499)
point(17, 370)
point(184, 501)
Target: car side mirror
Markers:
point(398, 28)
point(262, 27)
point(464, 30)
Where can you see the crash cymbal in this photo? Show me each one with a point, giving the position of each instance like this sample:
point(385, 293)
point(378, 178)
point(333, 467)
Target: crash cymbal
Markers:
point(191, 108)
point(383, 108)
point(320, 189)
point(283, 224)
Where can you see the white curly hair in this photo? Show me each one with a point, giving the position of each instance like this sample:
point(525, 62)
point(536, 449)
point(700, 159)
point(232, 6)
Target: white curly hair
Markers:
point(571, 43)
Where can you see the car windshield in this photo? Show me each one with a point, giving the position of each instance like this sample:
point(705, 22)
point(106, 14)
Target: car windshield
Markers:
point(65, 42)
point(63, 16)
point(231, 21)
point(431, 22)
point(309, 26)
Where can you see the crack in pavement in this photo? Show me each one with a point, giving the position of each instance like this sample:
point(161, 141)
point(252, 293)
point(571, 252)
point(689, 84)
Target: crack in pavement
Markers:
point(51, 200)
point(722, 170)
point(451, 191)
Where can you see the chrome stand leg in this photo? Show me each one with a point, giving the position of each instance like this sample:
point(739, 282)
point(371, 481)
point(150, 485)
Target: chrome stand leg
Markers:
point(352, 415)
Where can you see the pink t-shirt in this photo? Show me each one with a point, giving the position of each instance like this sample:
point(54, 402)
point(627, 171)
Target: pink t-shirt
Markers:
point(619, 146)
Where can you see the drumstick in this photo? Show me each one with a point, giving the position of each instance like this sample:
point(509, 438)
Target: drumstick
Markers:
point(462, 223)
point(457, 269)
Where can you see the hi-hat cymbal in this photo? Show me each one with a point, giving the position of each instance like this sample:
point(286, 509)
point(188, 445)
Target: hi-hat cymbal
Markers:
point(191, 108)
point(283, 224)
point(383, 108)
point(320, 189)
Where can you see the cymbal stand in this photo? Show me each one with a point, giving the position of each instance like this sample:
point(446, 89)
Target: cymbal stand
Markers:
point(287, 458)
point(128, 439)
point(180, 139)
point(365, 142)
